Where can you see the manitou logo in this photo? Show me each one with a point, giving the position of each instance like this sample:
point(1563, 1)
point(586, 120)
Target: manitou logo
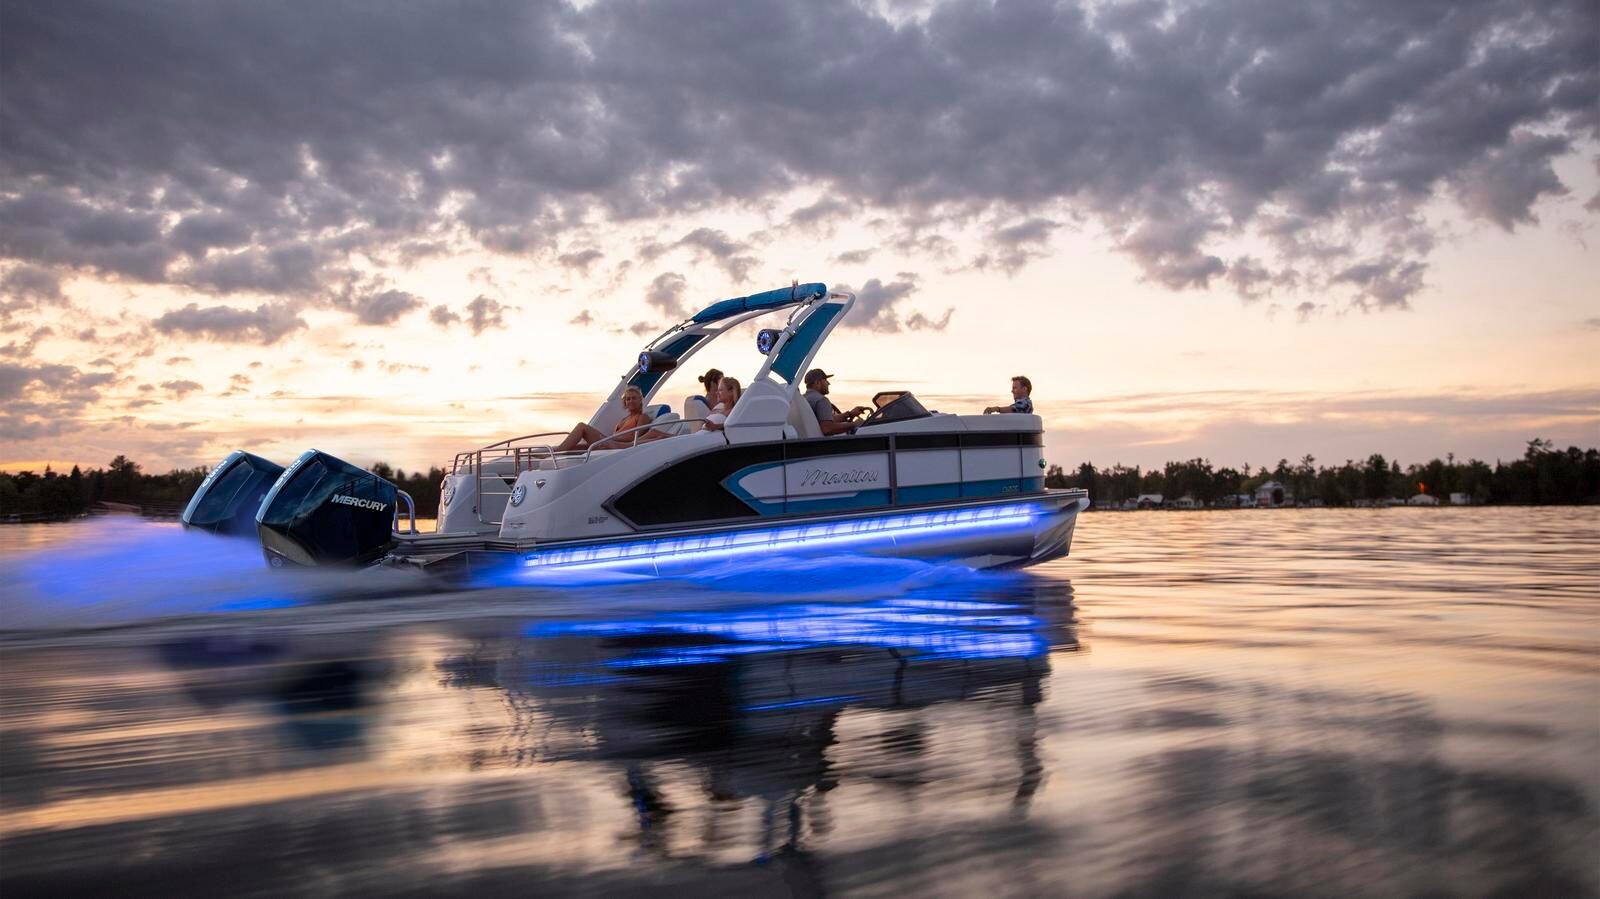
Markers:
point(823, 477)
point(358, 502)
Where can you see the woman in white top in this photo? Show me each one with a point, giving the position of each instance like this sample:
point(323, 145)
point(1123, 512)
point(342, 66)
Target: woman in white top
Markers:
point(728, 393)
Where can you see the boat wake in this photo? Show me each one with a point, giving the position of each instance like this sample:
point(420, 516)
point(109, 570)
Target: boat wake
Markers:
point(119, 572)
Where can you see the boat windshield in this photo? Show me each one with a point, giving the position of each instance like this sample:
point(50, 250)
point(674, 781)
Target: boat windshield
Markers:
point(895, 405)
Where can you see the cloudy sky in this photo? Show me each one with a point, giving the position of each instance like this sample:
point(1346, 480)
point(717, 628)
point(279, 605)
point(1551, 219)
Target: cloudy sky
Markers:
point(1244, 229)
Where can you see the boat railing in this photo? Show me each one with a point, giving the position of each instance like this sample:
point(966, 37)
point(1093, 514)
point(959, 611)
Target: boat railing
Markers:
point(599, 445)
point(529, 457)
point(411, 513)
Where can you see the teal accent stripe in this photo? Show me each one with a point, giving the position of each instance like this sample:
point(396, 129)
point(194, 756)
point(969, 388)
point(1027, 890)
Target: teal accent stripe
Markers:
point(928, 493)
point(829, 503)
point(996, 487)
point(799, 346)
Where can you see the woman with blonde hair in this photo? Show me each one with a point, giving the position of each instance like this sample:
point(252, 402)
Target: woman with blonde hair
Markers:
point(586, 436)
point(728, 393)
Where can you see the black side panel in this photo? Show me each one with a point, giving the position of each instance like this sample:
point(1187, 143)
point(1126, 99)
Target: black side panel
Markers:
point(231, 494)
point(324, 511)
point(691, 489)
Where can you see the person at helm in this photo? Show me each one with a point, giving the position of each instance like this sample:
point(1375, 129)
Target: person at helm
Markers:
point(829, 418)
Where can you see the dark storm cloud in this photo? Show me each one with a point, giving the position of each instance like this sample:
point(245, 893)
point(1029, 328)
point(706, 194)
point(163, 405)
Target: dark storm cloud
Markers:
point(251, 147)
point(267, 323)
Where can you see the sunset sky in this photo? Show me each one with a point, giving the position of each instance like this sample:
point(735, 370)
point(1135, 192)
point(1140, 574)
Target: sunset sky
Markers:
point(1243, 230)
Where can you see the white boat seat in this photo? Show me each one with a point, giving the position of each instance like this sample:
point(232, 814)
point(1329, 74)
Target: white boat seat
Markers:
point(670, 424)
point(658, 410)
point(694, 407)
point(802, 419)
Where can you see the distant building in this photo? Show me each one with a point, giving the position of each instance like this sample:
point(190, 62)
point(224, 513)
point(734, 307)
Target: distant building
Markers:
point(1189, 502)
point(1461, 499)
point(1272, 494)
point(1148, 501)
point(1423, 499)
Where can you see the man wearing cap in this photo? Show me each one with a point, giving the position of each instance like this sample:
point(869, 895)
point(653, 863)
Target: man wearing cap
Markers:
point(829, 418)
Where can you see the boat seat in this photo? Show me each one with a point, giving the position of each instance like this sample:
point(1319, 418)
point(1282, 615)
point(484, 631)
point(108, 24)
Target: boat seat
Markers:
point(802, 419)
point(671, 424)
point(694, 407)
point(658, 410)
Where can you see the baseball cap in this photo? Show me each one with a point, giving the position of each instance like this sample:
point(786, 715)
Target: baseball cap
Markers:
point(816, 373)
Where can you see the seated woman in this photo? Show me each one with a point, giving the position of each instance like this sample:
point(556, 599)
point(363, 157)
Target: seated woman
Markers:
point(585, 436)
point(728, 393)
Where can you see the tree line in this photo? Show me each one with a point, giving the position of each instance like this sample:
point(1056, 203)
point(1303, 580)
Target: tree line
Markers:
point(1544, 475)
point(53, 494)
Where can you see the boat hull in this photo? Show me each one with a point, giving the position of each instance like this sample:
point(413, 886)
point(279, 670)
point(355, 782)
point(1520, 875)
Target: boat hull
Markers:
point(1007, 532)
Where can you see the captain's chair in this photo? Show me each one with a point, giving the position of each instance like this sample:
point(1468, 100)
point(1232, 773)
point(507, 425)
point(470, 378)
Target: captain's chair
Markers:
point(801, 418)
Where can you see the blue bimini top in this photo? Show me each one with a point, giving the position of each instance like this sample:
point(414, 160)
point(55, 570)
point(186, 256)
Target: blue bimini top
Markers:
point(772, 299)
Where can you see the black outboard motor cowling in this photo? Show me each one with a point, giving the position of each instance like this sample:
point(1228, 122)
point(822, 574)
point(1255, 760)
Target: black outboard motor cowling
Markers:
point(231, 494)
point(325, 511)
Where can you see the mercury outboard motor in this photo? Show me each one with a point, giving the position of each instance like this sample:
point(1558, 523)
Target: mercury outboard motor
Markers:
point(325, 511)
point(229, 497)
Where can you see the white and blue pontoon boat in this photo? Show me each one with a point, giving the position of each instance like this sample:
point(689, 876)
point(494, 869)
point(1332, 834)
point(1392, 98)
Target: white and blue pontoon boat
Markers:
point(907, 483)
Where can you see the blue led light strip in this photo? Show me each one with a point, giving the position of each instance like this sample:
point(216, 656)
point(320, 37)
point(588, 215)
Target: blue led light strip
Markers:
point(765, 540)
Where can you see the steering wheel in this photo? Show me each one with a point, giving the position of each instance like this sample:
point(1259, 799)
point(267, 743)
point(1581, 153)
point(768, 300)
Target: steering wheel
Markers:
point(879, 413)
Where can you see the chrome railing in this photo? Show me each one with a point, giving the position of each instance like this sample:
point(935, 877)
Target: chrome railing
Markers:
point(597, 445)
point(528, 458)
point(411, 513)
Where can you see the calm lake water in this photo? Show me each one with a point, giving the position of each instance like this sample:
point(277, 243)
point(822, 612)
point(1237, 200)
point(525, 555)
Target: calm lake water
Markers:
point(1397, 702)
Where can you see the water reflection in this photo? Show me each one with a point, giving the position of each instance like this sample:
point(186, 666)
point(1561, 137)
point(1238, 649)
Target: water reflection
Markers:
point(1006, 735)
point(745, 705)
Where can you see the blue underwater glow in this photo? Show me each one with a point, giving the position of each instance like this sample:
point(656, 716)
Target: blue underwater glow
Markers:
point(853, 533)
point(923, 628)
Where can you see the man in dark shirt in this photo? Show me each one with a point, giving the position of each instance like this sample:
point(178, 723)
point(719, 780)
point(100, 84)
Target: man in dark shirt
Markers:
point(1021, 396)
point(829, 418)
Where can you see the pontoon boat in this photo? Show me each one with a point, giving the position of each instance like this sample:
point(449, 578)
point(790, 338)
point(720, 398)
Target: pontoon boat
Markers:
point(908, 482)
